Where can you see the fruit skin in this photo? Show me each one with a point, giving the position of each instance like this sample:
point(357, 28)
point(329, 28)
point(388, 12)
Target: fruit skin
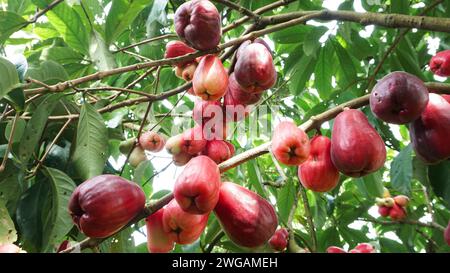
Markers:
point(187, 72)
point(335, 249)
point(157, 240)
point(401, 200)
point(102, 205)
point(384, 211)
point(176, 49)
point(236, 100)
point(205, 110)
point(210, 79)
point(440, 63)
point(429, 133)
point(196, 189)
point(397, 213)
point(290, 144)
point(193, 140)
point(356, 147)
point(217, 150)
point(248, 42)
point(399, 98)
point(182, 227)
point(279, 239)
point(151, 141)
point(254, 69)
point(363, 248)
point(198, 22)
point(248, 219)
point(181, 158)
point(446, 97)
point(230, 147)
point(10, 248)
point(137, 156)
point(173, 144)
point(318, 173)
point(447, 234)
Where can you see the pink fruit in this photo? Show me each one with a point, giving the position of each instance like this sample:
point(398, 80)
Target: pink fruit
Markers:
point(193, 140)
point(384, 211)
point(440, 63)
point(210, 79)
point(217, 150)
point(397, 213)
point(290, 144)
point(363, 248)
point(9, 248)
point(177, 49)
point(205, 110)
point(279, 239)
point(158, 241)
point(335, 249)
point(151, 141)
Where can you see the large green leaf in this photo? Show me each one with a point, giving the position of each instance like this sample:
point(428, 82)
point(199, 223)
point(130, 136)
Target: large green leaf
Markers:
point(10, 186)
point(32, 134)
point(402, 171)
point(8, 233)
point(324, 71)
point(347, 68)
point(59, 221)
point(439, 176)
point(121, 15)
point(10, 22)
point(9, 79)
point(91, 149)
point(371, 185)
point(285, 200)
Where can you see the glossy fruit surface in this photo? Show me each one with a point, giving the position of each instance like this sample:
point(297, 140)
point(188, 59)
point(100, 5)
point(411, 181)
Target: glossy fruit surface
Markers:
point(217, 150)
point(397, 213)
point(399, 98)
point(210, 79)
point(335, 249)
point(279, 239)
point(248, 219)
point(158, 241)
point(318, 173)
point(290, 144)
point(151, 141)
point(196, 189)
point(384, 211)
point(440, 63)
point(102, 205)
point(177, 49)
point(193, 140)
point(356, 147)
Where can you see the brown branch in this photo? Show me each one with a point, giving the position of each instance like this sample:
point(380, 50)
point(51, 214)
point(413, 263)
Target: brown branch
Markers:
point(42, 12)
point(405, 222)
point(239, 8)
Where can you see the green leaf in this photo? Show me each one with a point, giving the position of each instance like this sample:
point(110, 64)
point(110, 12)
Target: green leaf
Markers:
point(301, 73)
point(61, 55)
point(10, 22)
point(292, 35)
point(91, 149)
point(60, 222)
point(30, 139)
point(20, 127)
point(347, 68)
point(69, 24)
point(323, 72)
point(311, 44)
point(121, 15)
point(401, 171)
point(10, 186)
point(19, 6)
point(48, 72)
point(255, 177)
point(285, 200)
point(9, 79)
point(371, 185)
point(102, 57)
point(8, 233)
point(439, 176)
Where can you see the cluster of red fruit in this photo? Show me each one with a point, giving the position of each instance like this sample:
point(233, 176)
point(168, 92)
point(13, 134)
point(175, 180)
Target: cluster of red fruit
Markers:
point(360, 248)
point(393, 207)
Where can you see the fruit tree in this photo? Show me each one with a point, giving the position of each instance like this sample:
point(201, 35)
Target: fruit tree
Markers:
point(224, 126)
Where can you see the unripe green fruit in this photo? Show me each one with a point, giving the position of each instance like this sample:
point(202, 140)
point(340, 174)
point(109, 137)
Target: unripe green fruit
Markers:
point(126, 145)
point(137, 156)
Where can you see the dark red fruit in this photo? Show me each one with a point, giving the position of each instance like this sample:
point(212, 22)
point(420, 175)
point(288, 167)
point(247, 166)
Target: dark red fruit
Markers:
point(248, 42)
point(177, 49)
point(399, 98)
point(198, 22)
point(440, 63)
point(210, 78)
point(397, 213)
point(447, 234)
point(335, 249)
point(182, 227)
point(254, 69)
point(158, 241)
point(236, 100)
point(290, 144)
point(384, 211)
point(217, 150)
point(197, 187)
point(318, 173)
point(279, 239)
point(151, 141)
point(248, 219)
point(430, 133)
point(356, 147)
point(102, 205)
point(193, 141)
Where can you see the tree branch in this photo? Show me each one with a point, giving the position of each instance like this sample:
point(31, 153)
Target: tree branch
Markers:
point(239, 8)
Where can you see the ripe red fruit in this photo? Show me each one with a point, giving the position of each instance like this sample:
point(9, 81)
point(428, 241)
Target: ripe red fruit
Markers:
point(10, 248)
point(176, 49)
point(182, 227)
point(198, 22)
point(197, 187)
point(447, 234)
point(446, 97)
point(429, 133)
point(363, 248)
point(205, 110)
point(137, 156)
point(290, 144)
point(236, 100)
point(248, 219)
point(440, 63)
point(279, 239)
point(210, 78)
point(230, 147)
point(356, 147)
point(158, 241)
point(399, 98)
point(151, 141)
point(397, 213)
point(63, 246)
point(217, 150)
point(173, 144)
point(248, 42)
point(384, 211)
point(318, 173)
point(181, 158)
point(401, 200)
point(193, 141)
point(187, 72)
point(102, 205)
point(335, 249)
point(254, 69)
point(215, 129)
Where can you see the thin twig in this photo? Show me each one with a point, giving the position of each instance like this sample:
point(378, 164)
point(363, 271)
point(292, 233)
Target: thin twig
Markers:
point(239, 8)
point(10, 141)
